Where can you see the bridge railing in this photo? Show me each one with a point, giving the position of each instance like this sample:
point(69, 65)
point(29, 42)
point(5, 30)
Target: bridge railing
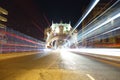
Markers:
point(14, 41)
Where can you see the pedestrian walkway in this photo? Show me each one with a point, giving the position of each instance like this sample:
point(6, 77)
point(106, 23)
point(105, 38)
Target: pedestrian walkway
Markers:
point(15, 54)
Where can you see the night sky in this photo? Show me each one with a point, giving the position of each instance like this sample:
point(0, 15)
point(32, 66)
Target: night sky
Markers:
point(31, 17)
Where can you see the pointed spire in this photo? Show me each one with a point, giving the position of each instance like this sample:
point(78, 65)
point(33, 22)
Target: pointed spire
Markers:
point(70, 22)
point(52, 22)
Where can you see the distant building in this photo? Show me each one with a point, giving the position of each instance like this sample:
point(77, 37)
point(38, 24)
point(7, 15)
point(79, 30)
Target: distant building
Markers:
point(3, 20)
point(59, 35)
point(3, 12)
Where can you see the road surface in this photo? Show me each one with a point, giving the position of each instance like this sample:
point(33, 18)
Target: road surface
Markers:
point(56, 65)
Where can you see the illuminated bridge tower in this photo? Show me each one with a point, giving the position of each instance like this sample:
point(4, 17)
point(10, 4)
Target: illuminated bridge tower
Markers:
point(58, 34)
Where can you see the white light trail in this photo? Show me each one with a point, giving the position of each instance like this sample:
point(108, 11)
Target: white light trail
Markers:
point(107, 21)
point(100, 51)
point(111, 30)
point(102, 25)
point(84, 16)
point(101, 15)
point(104, 33)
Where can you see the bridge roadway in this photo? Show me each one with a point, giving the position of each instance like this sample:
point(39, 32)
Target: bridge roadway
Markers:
point(56, 65)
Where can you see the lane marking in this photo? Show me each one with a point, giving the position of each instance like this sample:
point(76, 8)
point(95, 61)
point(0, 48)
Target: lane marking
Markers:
point(90, 76)
point(72, 62)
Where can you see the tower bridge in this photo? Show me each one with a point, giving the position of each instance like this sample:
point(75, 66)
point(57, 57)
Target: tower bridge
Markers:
point(60, 33)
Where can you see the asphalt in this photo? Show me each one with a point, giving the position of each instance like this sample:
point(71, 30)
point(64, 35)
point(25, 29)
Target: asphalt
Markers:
point(57, 65)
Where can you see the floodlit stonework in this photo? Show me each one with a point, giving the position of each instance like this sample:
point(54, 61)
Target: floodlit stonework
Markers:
point(60, 35)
